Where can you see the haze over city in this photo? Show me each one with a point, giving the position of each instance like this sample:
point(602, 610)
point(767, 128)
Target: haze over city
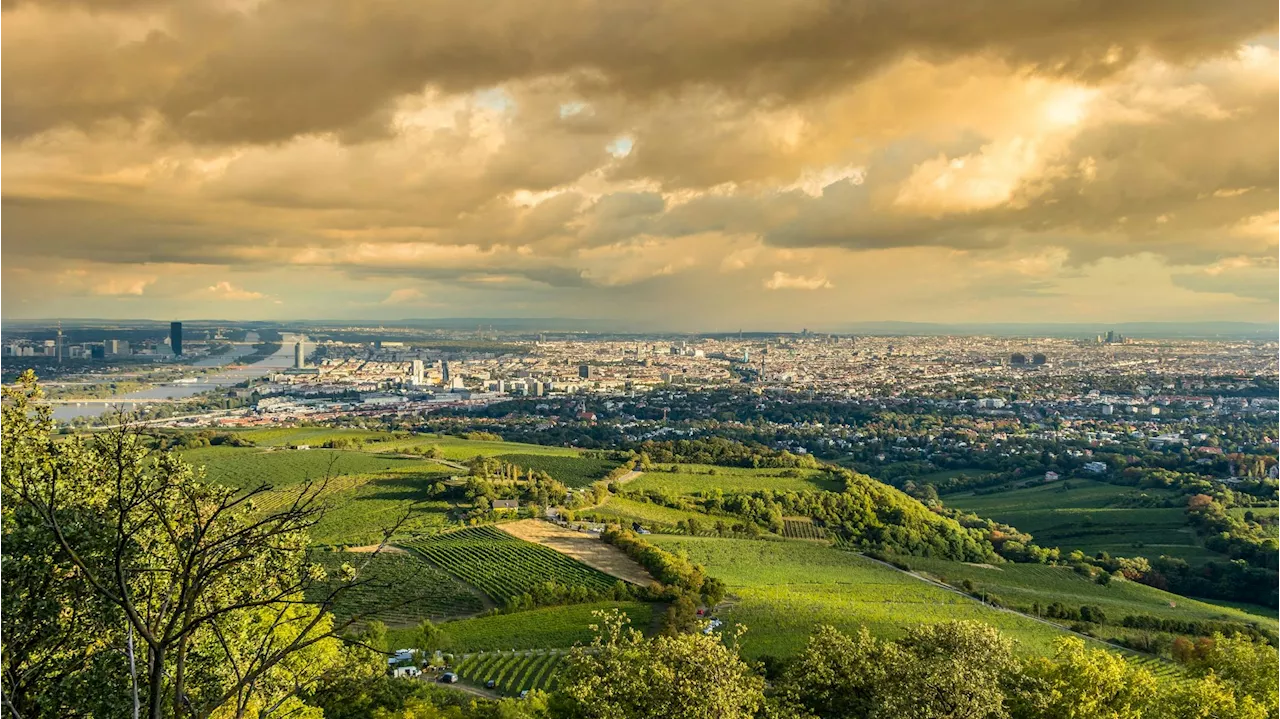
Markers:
point(805, 164)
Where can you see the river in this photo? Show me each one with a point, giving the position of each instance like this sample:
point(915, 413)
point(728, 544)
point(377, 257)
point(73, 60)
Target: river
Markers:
point(282, 359)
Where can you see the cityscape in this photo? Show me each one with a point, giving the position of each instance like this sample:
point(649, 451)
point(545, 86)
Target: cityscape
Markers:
point(628, 360)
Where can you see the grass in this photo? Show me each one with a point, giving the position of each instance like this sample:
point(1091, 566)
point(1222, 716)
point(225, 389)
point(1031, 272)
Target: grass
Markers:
point(801, 528)
point(547, 627)
point(455, 448)
point(695, 478)
point(782, 590)
point(1084, 517)
point(402, 589)
point(504, 567)
point(570, 471)
point(513, 672)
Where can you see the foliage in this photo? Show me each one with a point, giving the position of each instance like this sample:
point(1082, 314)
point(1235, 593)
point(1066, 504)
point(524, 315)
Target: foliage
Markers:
point(623, 675)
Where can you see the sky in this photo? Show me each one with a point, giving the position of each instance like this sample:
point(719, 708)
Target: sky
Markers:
point(688, 164)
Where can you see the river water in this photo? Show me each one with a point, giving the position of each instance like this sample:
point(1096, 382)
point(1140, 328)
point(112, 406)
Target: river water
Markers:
point(282, 359)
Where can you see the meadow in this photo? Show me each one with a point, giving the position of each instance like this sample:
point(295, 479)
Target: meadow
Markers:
point(1080, 514)
point(401, 589)
point(695, 478)
point(782, 590)
point(502, 566)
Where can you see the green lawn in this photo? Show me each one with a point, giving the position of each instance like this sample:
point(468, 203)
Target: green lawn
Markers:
point(694, 478)
point(783, 589)
point(1080, 514)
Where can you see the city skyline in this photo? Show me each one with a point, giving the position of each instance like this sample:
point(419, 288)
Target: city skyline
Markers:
point(809, 164)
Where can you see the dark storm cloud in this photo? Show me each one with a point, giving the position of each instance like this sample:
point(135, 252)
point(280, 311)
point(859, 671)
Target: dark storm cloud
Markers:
point(287, 67)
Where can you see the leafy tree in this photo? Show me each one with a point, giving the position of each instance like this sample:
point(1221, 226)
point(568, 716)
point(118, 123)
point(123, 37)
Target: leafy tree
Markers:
point(838, 676)
point(951, 669)
point(622, 675)
point(1081, 683)
point(187, 598)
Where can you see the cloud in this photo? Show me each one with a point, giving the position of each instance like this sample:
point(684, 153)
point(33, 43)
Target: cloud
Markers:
point(405, 296)
point(783, 281)
point(226, 291)
point(595, 160)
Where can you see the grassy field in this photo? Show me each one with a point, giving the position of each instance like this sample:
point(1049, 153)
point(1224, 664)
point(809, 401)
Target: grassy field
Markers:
point(570, 471)
point(513, 672)
point(502, 566)
point(783, 589)
point(548, 627)
point(693, 478)
point(401, 590)
point(1082, 517)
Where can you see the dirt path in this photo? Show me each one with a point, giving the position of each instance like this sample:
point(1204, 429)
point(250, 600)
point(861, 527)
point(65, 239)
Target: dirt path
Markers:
point(633, 474)
point(370, 548)
point(582, 547)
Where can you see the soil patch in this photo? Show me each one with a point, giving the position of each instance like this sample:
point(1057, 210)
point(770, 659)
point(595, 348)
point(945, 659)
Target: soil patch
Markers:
point(582, 547)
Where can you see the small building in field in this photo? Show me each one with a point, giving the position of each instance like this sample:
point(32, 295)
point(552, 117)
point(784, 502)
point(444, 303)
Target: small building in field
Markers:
point(506, 504)
point(1050, 476)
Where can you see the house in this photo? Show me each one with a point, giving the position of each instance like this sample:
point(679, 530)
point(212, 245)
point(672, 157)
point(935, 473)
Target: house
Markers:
point(409, 671)
point(1050, 476)
point(1095, 467)
point(511, 504)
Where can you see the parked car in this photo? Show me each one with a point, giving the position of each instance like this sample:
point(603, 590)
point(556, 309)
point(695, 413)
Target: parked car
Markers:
point(449, 678)
point(491, 684)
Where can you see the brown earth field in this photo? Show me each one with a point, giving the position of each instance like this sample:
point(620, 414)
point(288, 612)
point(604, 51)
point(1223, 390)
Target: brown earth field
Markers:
point(586, 549)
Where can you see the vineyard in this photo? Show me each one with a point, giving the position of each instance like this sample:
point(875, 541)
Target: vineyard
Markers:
point(696, 478)
point(784, 589)
point(242, 467)
point(802, 528)
point(402, 589)
point(505, 567)
point(570, 471)
point(513, 672)
point(557, 627)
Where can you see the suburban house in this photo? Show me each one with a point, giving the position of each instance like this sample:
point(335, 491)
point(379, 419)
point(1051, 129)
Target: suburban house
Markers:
point(511, 504)
point(1050, 476)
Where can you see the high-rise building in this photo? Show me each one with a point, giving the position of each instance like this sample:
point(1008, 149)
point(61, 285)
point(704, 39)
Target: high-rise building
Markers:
point(418, 369)
point(444, 373)
point(586, 371)
point(175, 337)
point(299, 355)
point(117, 347)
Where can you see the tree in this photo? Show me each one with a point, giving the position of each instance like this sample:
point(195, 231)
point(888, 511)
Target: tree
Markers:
point(1081, 683)
point(622, 675)
point(951, 669)
point(838, 676)
point(1249, 668)
point(430, 637)
point(196, 595)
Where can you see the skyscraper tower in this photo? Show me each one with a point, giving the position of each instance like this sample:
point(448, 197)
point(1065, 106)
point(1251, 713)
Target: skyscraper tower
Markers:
point(58, 347)
point(175, 338)
point(444, 372)
point(418, 371)
point(299, 355)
